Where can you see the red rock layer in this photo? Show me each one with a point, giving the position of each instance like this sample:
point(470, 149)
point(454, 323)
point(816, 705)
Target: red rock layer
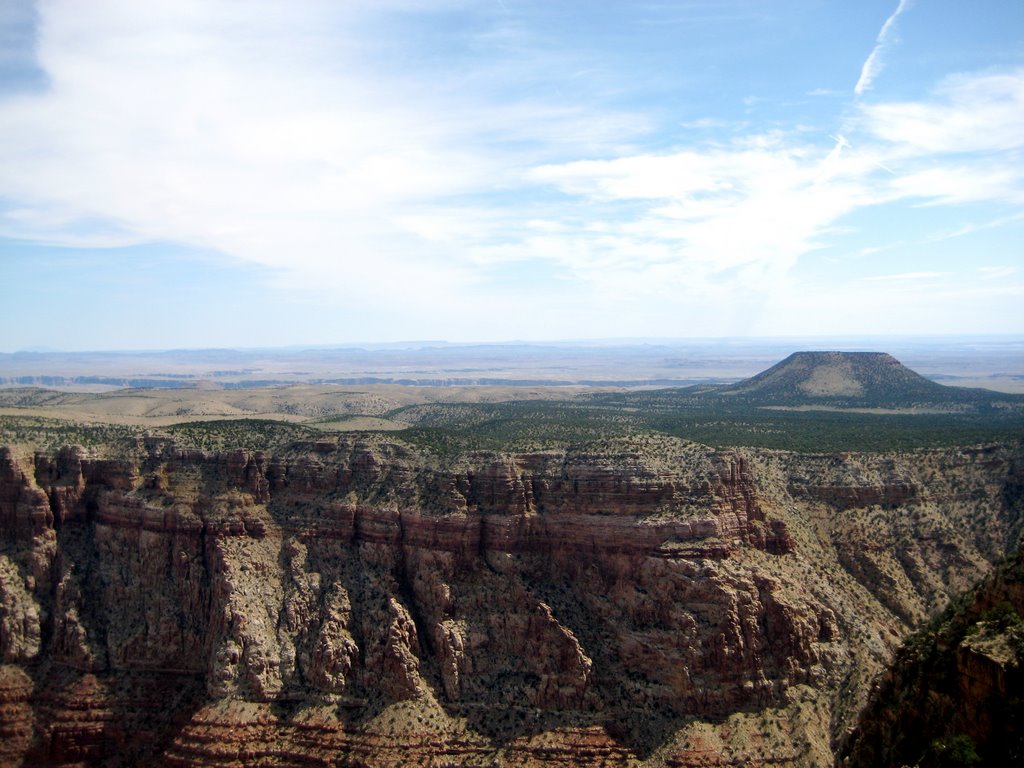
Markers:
point(245, 609)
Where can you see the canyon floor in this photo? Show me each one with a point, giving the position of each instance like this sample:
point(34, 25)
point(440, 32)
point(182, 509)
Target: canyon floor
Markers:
point(376, 575)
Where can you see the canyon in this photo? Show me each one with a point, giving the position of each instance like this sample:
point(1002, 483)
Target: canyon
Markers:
point(355, 601)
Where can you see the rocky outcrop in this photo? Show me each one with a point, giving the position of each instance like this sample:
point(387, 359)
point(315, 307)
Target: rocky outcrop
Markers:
point(953, 695)
point(354, 601)
point(916, 529)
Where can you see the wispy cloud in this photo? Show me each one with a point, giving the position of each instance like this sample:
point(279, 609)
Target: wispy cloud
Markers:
point(290, 141)
point(906, 276)
point(282, 139)
point(747, 211)
point(973, 227)
point(872, 66)
point(998, 273)
point(966, 113)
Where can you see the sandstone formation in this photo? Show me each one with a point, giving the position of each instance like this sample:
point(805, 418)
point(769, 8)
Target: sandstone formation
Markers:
point(354, 603)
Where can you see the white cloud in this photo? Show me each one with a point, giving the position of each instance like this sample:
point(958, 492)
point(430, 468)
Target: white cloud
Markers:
point(699, 224)
point(277, 136)
point(970, 113)
point(961, 183)
point(872, 66)
point(286, 140)
point(742, 214)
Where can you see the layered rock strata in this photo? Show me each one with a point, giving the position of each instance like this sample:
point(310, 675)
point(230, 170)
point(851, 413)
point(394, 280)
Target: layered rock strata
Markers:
point(356, 603)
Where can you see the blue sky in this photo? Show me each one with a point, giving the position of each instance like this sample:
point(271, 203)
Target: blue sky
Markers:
point(186, 173)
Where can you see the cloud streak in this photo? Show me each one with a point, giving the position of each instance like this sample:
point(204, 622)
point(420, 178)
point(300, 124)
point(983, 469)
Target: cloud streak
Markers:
point(751, 209)
point(873, 64)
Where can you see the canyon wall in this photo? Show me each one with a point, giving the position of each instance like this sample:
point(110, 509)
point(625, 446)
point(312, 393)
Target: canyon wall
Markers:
point(952, 697)
point(356, 603)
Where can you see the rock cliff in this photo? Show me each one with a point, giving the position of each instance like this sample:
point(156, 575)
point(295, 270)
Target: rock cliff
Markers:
point(953, 695)
point(352, 602)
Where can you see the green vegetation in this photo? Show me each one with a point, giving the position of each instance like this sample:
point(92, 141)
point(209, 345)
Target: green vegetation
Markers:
point(50, 434)
point(809, 402)
point(959, 751)
point(514, 426)
point(526, 425)
point(447, 429)
point(1003, 616)
point(252, 434)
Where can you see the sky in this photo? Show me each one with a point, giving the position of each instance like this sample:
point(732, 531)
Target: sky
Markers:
point(192, 173)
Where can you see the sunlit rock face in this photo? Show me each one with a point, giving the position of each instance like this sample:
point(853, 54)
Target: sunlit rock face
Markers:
point(354, 602)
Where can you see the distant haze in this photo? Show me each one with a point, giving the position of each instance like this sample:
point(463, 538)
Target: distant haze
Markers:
point(217, 174)
point(995, 362)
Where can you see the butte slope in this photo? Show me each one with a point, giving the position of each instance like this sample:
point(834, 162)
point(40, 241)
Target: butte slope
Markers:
point(855, 380)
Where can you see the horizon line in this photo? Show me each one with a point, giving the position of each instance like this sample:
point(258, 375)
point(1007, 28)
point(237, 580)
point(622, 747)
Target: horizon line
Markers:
point(611, 341)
